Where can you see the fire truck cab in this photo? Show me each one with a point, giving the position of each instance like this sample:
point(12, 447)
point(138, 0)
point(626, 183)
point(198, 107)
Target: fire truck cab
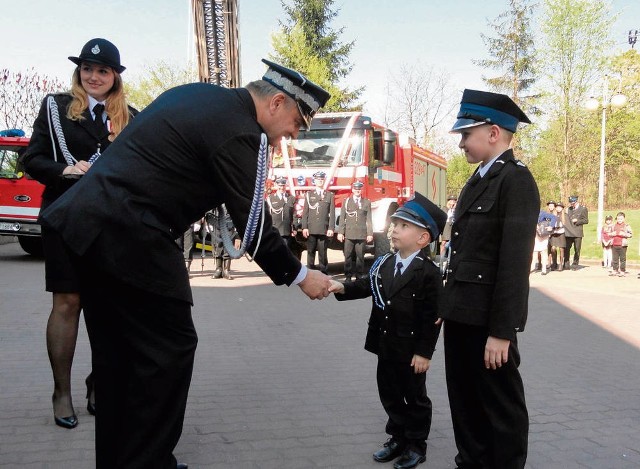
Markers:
point(20, 196)
point(349, 146)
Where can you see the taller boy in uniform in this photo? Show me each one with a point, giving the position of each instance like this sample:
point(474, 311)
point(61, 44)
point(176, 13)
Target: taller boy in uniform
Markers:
point(405, 287)
point(487, 287)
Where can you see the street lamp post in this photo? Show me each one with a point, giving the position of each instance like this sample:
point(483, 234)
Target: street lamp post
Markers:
point(617, 100)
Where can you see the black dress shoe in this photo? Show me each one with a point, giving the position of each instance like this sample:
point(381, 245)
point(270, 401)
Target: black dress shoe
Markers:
point(182, 465)
point(66, 422)
point(392, 449)
point(409, 459)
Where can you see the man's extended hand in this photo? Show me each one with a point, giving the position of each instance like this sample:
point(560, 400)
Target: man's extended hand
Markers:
point(315, 285)
point(496, 352)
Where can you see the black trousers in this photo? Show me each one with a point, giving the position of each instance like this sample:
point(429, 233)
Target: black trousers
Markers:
point(403, 395)
point(143, 348)
point(577, 245)
point(354, 248)
point(619, 258)
point(319, 243)
point(488, 409)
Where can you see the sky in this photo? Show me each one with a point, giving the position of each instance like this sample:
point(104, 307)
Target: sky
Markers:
point(443, 35)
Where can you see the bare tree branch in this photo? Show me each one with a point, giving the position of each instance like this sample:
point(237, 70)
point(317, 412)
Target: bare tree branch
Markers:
point(20, 96)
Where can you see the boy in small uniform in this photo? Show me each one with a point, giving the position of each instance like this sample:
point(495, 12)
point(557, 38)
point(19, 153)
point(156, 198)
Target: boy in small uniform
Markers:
point(402, 332)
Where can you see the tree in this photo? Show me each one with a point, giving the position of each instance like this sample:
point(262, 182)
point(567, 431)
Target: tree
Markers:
point(458, 172)
point(419, 100)
point(512, 54)
point(157, 78)
point(623, 133)
point(21, 94)
point(307, 43)
point(576, 37)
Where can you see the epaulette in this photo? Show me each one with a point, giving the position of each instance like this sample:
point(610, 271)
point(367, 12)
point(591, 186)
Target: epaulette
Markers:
point(520, 163)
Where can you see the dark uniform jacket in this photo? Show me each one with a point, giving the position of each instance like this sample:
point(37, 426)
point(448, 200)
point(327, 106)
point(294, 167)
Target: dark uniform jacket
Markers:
point(282, 212)
point(404, 313)
point(492, 242)
point(82, 141)
point(355, 219)
point(319, 213)
point(575, 230)
point(193, 148)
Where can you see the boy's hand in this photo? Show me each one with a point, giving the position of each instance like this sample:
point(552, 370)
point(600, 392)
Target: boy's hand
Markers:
point(336, 287)
point(496, 352)
point(420, 364)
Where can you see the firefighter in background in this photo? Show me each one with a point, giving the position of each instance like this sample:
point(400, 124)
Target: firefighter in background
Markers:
point(355, 230)
point(281, 207)
point(220, 254)
point(452, 200)
point(318, 222)
point(186, 244)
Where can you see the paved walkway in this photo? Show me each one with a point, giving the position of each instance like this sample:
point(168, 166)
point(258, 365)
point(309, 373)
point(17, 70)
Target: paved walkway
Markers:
point(283, 382)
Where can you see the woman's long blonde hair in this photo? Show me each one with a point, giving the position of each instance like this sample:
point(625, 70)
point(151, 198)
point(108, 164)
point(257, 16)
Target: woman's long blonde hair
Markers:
point(116, 103)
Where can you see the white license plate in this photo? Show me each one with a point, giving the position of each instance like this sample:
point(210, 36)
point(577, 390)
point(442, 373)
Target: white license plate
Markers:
point(10, 226)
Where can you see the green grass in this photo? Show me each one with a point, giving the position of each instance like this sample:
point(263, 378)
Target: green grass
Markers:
point(591, 249)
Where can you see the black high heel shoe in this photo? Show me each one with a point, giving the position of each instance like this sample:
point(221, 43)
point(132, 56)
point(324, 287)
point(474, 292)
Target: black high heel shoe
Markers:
point(91, 406)
point(66, 422)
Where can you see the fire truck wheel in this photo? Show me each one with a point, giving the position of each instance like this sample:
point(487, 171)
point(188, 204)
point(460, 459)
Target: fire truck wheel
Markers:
point(31, 245)
point(381, 244)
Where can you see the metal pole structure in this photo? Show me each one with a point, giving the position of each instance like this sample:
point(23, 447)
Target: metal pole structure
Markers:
point(217, 42)
point(605, 93)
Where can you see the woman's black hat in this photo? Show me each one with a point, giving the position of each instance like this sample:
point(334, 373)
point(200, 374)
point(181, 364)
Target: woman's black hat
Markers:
point(100, 51)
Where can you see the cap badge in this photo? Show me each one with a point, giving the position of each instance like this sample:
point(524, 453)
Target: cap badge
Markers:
point(95, 49)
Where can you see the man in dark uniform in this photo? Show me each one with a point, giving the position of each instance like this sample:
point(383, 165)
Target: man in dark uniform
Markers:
point(318, 222)
point(195, 147)
point(281, 209)
point(487, 287)
point(355, 230)
point(577, 215)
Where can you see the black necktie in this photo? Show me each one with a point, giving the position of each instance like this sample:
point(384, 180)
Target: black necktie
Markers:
point(398, 273)
point(98, 109)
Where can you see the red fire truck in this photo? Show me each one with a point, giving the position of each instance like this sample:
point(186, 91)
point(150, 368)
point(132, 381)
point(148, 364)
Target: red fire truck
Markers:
point(349, 146)
point(20, 196)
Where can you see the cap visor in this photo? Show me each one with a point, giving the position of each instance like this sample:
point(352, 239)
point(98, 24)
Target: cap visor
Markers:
point(408, 218)
point(462, 124)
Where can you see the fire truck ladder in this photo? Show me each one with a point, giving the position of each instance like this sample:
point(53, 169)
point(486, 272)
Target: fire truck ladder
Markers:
point(217, 44)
